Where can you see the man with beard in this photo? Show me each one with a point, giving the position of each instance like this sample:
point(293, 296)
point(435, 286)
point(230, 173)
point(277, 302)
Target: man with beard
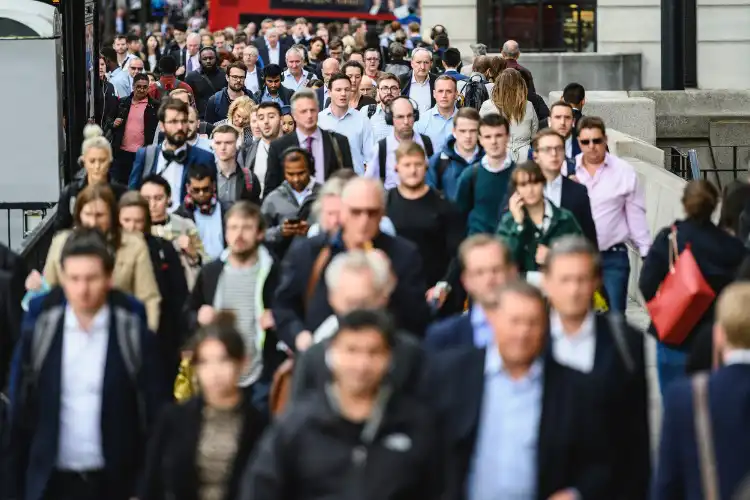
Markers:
point(389, 87)
point(217, 107)
point(242, 280)
point(170, 158)
point(272, 90)
point(207, 80)
point(255, 157)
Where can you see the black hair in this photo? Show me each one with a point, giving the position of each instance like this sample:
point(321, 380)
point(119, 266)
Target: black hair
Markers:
point(574, 93)
point(138, 77)
point(270, 104)
point(494, 120)
point(361, 319)
point(336, 77)
point(452, 57)
point(441, 41)
point(272, 70)
point(199, 171)
point(353, 64)
point(159, 181)
point(173, 104)
point(223, 329)
point(294, 153)
point(109, 54)
point(167, 65)
point(88, 242)
point(132, 38)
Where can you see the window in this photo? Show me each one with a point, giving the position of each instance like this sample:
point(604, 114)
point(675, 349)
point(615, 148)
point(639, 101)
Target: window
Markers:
point(10, 28)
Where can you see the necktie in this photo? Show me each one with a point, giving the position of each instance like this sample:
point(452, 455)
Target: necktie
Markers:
point(189, 64)
point(308, 144)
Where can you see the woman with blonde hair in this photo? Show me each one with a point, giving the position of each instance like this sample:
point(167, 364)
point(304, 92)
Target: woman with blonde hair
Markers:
point(96, 160)
point(510, 98)
point(240, 116)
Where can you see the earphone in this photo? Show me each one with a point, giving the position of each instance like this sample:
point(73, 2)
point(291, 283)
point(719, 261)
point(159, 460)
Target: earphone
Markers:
point(389, 110)
point(309, 158)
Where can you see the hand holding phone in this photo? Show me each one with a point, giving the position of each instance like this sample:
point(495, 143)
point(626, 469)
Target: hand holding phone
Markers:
point(515, 205)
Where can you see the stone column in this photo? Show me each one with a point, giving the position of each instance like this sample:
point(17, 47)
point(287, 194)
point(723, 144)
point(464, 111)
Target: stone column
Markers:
point(723, 44)
point(458, 16)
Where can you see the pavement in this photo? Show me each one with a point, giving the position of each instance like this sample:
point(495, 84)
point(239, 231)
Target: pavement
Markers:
point(638, 317)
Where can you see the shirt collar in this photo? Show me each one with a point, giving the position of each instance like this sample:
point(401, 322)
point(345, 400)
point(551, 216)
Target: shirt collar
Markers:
point(304, 192)
point(586, 330)
point(493, 365)
point(579, 160)
point(478, 316)
point(415, 82)
point(737, 357)
point(98, 325)
point(434, 111)
point(329, 111)
point(557, 183)
point(317, 135)
point(485, 162)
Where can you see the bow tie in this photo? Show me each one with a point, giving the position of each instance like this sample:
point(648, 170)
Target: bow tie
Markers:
point(175, 156)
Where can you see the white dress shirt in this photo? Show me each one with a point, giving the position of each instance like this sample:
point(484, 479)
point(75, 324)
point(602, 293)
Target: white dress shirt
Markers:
point(569, 147)
point(84, 356)
point(173, 173)
point(292, 83)
point(373, 165)
point(553, 191)
point(421, 93)
point(575, 350)
point(317, 152)
point(274, 55)
point(251, 80)
point(356, 128)
point(193, 63)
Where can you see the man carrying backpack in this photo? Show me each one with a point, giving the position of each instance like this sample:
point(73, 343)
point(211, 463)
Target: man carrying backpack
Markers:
point(459, 151)
point(167, 81)
point(473, 91)
point(85, 385)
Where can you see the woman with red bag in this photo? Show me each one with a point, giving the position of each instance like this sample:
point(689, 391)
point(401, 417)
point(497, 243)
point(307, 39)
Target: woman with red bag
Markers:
point(717, 254)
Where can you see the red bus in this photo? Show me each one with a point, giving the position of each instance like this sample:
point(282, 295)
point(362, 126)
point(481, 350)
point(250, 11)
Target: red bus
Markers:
point(225, 13)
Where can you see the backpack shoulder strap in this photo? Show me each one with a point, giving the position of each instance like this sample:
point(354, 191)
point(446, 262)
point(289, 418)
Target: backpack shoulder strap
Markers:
point(382, 153)
point(704, 437)
point(617, 329)
point(248, 179)
point(442, 166)
point(44, 335)
point(129, 341)
point(371, 110)
point(148, 161)
point(428, 149)
point(336, 149)
point(472, 184)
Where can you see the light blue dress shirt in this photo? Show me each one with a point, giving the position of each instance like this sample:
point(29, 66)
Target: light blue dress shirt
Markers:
point(482, 330)
point(438, 128)
point(211, 231)
point(356, 128)
point(504, 465)
point(267, 97)
point(380, 129)
point(123, 83)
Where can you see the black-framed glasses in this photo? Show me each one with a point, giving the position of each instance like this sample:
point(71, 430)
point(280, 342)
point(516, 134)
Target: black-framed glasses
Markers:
point(597, 141)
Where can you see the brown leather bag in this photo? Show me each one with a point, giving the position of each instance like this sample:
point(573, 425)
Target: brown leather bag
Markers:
point(281, 386)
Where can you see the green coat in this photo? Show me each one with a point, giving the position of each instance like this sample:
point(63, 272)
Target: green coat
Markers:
point(523, 239)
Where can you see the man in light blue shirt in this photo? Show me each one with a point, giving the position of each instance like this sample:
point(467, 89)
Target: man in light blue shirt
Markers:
point(389, 87)
point(123, 80)
point(341, 118)
point(437, 122)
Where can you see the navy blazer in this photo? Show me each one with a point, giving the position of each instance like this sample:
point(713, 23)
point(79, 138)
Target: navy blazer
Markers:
point(572, 445)
point(678, 474)
point(575, 198)
point(406, 86)
point(194, 156)
point(36, 422)
point(453, 331)
point(622, 394)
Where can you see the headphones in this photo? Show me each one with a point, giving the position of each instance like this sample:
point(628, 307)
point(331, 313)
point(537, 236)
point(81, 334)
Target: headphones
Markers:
point(309, 158)
point(389, 110)
point(190, 204)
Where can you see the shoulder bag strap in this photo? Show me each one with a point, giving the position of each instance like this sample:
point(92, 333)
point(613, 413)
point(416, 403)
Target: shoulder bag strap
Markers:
point(673, 250)
point(704, 437)
point(617, 328)
point(317, 269)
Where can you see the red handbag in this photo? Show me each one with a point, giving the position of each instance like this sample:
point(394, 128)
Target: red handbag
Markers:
point(683, 297)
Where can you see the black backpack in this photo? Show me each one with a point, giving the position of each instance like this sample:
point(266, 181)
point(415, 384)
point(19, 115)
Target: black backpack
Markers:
point(474, 92)
point(383, 151)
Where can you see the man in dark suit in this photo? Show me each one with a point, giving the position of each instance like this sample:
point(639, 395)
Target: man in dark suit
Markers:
point(271, 50)
point(549, 154)
point(302, 297)
point(419, 84)
point(330, 150)
point(516, 423)
point(562, 120)
point(486, 263)
point(171, 158)
point(575, 95)
point(722, 397)
point(97, 418)
point(608, 351)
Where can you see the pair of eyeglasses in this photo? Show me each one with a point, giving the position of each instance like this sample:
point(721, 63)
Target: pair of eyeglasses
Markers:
point(586, 142)
point(391, 90)
point(137, 69)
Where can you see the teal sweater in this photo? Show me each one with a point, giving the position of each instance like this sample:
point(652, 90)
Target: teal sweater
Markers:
point(479, 195)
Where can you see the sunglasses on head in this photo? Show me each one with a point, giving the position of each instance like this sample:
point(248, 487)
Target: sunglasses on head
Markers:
point(586, 142)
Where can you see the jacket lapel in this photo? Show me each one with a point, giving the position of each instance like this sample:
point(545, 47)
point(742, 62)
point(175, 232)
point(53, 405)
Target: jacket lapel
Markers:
point(472, 395)
point(548, 424)
point(328, 155)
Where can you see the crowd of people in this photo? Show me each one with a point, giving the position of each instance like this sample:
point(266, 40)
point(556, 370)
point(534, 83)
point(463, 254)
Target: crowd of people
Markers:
point(373, 271)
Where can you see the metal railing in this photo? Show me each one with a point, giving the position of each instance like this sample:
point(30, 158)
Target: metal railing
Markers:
point(718, 164)
point(29, 230)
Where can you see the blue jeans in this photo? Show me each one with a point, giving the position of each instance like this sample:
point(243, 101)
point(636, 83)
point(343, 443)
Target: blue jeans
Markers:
point(615, 275)
point(670, 365)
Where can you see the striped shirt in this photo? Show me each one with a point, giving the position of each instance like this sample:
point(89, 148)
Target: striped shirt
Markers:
point(236, 292)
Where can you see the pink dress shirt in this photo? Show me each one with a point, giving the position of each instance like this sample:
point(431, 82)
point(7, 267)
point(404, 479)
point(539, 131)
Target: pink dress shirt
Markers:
point(617, 203)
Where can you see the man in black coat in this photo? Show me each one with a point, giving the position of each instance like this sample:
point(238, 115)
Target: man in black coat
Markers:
point(412, 83)
point(207, 80)
point(302, 296)
point(550, 444)
point(330, 150)
point(609, 352)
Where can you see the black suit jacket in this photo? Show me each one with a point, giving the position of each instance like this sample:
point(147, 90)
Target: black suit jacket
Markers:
point(322, 98)
point(622, 393)
point(572, 445)
point(263, 52)
point(10, 323)
point(171, 470)
point(575, 198)
point(406, 86)
point(453, 331)
point(292, 315)
point(275, 170)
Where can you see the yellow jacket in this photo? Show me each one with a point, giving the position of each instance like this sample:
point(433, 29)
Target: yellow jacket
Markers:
point(133, 272)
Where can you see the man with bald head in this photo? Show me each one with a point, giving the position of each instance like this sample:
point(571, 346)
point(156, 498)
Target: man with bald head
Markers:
point(511, 52)
point(329, 68)
point(298, 312)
